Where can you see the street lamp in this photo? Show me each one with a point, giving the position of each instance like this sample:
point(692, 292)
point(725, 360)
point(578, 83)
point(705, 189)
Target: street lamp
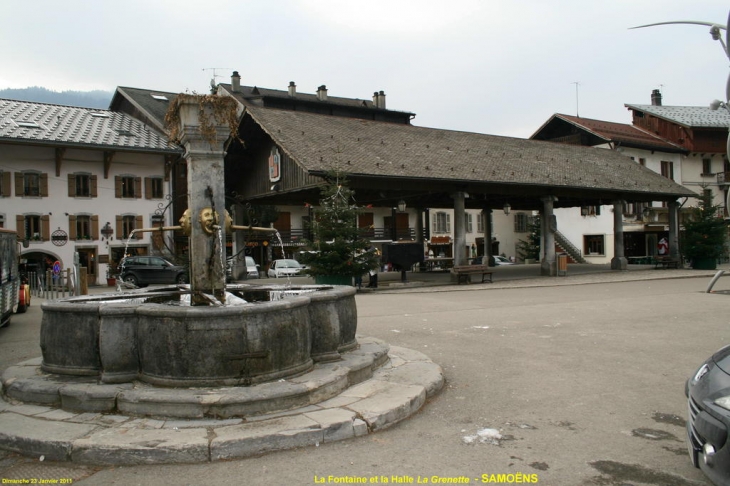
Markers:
point(507, 208)
point(401, 206)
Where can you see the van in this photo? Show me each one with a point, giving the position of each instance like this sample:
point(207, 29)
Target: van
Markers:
point(252, 270)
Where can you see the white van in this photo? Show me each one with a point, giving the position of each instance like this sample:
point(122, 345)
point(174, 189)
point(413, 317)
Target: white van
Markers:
point(252, 270)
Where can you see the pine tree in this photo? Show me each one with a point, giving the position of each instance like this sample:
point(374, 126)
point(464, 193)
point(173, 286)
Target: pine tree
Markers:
point(338, 248)
point(705, 233)
point(530, 248)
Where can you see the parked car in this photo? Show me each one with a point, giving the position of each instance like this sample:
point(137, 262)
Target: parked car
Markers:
point(252, 270)
point(284, 268)
point(498, 260)
point(708, 400)
point(144, 270)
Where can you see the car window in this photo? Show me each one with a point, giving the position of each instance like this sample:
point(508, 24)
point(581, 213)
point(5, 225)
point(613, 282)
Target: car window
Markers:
point(157, 261)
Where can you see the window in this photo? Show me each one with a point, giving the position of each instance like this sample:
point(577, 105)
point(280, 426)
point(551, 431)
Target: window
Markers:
point(593, 244)
point(83, 227)
point(706, 167)
point(522, 223)
point(81, 184)
point(32, 227)
point(480, 223)
point(127, 226)
point(642, 161)
point(590, 210)
point(127, 223)
point(668, 169)
point(127, 186)
point(4, 183)
point(441, 222)
point(31, 184)
point(2, 220)
point(153, 188)
point(469, 222)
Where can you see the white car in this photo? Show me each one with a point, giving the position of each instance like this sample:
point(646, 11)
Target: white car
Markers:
point(284, 268)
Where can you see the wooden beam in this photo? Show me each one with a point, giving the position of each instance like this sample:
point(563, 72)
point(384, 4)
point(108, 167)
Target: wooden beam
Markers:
point(60, 151)
point(108, 156)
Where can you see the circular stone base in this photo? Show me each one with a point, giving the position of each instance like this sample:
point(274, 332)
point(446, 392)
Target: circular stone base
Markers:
point(76, 419)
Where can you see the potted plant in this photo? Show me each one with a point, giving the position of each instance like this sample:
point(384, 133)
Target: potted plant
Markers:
point(338, 253)
point(705, 234)
point(111, 280)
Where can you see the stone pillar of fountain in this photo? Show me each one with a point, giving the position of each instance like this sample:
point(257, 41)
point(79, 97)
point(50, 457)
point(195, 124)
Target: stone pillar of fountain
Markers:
point(204, 154)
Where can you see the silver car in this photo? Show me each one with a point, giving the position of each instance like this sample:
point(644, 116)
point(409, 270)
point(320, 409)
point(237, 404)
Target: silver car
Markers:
point(284, 268)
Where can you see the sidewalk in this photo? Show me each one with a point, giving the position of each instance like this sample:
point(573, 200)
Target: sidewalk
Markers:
point(505, 276)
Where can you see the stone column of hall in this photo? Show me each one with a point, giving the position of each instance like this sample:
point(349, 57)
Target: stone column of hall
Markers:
point(206, 202)
point(618, 262)
point(487, 216)
point(674, 230)
point(548, 266)
point(419, 228)
point(459, 229)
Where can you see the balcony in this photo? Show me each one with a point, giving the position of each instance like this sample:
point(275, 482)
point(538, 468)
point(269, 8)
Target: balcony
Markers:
point(385, 234)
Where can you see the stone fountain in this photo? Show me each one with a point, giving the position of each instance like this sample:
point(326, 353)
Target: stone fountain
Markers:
point(223, 357)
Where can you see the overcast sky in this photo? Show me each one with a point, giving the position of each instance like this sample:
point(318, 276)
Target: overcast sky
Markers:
point(498, 67)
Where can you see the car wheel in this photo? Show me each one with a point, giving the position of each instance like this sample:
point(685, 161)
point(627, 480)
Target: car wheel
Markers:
point(131, 279)
point(181, 279)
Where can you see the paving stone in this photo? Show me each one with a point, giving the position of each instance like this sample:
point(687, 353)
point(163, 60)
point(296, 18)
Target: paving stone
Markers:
point(29, 410)
point(122, 447)
point(285, 413)
point(91, 398)
point(337, 423)
point(57, 414)
point(407, 354)
point(338, 401)
point(84, 418)
point(35, 362)
point(180, 403)
point(38, 437)
point(390, 405)
point(264, 436)
point(143, 423)
point(360, 427)
point(202, 423)
point(29, 390)
point(426, 374)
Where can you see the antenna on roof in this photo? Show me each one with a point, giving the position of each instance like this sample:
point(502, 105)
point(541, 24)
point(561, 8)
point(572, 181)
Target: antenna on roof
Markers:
point(213, 85)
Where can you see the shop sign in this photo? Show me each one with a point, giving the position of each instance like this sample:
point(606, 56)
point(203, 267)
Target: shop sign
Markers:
point(274, 165)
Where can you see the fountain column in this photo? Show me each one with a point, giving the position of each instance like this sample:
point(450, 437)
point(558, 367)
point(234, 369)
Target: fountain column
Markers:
point(204, 154)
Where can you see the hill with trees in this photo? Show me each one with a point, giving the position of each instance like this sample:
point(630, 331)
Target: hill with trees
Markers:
point(85, 99)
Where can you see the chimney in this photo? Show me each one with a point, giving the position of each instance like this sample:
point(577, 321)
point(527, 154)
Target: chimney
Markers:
point(322, 93)
point(381, 100)
point(235, 82)
point(656, 98)
point(292, 89)
point(375, 99)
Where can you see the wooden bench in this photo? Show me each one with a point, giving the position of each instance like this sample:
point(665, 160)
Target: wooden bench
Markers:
point(666, 262)
point(465, 271)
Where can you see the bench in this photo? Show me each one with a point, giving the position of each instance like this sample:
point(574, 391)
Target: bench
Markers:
point(666, 262)
point(465, 271)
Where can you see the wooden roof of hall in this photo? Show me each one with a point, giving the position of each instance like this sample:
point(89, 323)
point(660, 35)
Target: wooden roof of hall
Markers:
point(431, 159)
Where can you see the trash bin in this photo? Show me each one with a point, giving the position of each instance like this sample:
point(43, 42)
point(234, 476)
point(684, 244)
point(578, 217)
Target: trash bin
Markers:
point(562, 265)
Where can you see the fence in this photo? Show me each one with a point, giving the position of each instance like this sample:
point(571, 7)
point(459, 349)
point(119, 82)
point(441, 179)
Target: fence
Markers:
point(49, 286)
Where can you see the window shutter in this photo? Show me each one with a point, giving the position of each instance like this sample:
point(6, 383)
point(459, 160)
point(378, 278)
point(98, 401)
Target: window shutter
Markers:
point(138, 225)
point(44, 184)
point(148, 188)
point(20, 225)
point(71, 185)
point(19, 184)
point(95, 227)
point(137, 187)
point(72, 227)
point(598, 210)
point(94, 191)
point(45, 227)
point(435, 224)
point(448, 223)
point(120, 228)
point(117, 186)
point(5, 187)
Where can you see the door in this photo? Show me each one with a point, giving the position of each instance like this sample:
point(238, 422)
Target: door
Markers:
point(87, 258)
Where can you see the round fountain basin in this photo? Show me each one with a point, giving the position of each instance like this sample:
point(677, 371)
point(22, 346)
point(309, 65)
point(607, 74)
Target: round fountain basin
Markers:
point(147, 335)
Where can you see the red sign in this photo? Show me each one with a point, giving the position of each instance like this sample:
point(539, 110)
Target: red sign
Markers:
point(274, 165)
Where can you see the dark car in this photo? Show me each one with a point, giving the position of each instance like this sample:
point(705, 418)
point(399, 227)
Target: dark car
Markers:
point(708, 397)
point(144, 270)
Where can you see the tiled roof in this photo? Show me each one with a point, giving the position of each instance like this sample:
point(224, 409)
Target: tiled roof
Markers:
point(362, 147)
point(42, 123)
point(153, 104)
point(620, 133)
point(251, 92)
point(689, 116)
